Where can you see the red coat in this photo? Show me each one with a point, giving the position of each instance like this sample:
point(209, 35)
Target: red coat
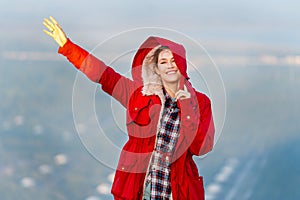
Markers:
point(143, 97)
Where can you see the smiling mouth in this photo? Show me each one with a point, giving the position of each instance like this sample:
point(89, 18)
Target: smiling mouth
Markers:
point(171, 72)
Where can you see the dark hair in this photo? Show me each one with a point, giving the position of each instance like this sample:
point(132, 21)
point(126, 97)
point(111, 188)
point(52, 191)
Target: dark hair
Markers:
point(156, 53)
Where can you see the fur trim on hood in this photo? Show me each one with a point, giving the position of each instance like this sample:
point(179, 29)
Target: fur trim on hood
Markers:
point(143, 67)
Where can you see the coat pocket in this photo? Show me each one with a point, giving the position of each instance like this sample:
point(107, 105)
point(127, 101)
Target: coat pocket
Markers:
point(138, 112)
point(196, 188)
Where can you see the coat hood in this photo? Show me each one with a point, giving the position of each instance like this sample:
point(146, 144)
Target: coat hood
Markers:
point(143, 66)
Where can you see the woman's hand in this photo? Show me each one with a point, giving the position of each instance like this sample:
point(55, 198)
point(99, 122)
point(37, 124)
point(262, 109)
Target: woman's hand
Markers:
point(55, 31)
point(182, 94)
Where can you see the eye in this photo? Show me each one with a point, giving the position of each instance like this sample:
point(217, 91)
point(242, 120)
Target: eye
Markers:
point(163, 62)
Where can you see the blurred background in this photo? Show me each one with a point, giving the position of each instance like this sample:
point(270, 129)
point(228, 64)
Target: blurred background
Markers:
point(255, 45)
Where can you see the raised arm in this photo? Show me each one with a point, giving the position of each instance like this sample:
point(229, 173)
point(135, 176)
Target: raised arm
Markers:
point(112, 82)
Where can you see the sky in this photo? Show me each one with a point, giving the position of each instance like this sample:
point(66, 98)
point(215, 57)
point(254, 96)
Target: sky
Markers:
point(268, 22)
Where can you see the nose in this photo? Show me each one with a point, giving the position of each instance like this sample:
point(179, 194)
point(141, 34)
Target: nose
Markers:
point(171, 65)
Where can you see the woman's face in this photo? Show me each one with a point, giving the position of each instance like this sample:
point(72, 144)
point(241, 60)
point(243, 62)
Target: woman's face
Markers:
point(167, 68)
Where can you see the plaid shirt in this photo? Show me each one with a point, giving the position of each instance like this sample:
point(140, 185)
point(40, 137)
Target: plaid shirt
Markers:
point(159, 170)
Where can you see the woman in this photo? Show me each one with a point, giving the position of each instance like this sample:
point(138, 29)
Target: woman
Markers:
point(167, 120)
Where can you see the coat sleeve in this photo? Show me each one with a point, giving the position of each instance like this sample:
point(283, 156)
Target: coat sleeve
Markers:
point(112, 82)
point(204, 139)
point(196, 127)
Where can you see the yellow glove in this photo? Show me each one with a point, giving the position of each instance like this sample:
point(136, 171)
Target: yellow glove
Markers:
point(55, 31)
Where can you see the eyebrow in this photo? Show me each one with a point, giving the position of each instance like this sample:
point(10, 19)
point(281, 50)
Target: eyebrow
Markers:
point(165, 59)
